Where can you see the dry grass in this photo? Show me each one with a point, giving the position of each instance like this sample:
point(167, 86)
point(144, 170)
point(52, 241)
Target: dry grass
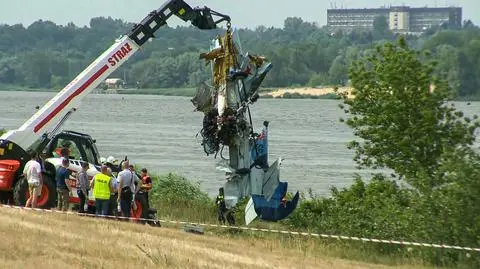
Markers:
point(47, 240)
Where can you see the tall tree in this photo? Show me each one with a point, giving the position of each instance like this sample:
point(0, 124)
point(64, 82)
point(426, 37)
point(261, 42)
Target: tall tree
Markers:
point(400, 113)
point(448, 65)
point(380, 28)
point(338, 73)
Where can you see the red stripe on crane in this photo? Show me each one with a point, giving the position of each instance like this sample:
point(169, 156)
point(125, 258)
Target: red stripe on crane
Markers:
point(70, 98)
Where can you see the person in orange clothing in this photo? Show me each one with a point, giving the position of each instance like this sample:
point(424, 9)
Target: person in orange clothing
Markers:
point(145, 185)
point(64, 150)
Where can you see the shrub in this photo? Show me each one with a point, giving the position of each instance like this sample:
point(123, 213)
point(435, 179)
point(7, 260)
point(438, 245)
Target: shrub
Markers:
point(177, 198)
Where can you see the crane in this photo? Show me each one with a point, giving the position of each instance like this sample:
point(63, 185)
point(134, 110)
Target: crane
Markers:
point(43, 131)
point(54, 113)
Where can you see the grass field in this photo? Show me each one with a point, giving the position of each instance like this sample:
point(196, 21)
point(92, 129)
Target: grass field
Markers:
point(46, 240)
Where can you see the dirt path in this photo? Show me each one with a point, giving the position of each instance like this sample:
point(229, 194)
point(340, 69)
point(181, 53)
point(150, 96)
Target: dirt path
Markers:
point(48, 240)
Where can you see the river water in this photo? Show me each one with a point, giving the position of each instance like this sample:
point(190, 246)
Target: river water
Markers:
point(158, 132)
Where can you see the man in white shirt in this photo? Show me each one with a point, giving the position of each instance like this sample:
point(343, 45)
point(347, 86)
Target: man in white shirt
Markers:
point(126, 189)
point(33, 173)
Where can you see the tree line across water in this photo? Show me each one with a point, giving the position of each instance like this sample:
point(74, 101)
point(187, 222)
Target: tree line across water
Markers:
point(47, 55)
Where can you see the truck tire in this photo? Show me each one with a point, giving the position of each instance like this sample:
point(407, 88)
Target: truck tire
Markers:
point(47, 197)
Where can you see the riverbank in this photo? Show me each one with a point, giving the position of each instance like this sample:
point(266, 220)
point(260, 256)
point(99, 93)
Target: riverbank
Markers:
point(71, 241)
point(187, 92)
point(285, 93)
point(308, 92)
point(282, 92)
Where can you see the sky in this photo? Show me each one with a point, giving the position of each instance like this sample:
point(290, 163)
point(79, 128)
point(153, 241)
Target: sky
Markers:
point(244, 13)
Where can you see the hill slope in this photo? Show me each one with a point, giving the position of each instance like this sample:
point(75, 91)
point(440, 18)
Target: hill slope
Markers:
point(44, 240)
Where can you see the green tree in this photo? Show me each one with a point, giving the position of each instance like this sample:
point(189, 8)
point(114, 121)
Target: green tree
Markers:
point(301, 52)
point(400, 113)
point(380, 28)
point(469, 61)
point(318, 79)
point(338, 72)
point(448, 66)
point(380, 24)
point(37, 69)
point(7, 70)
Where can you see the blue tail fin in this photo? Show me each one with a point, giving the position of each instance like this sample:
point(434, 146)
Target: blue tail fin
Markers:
point(274, 209)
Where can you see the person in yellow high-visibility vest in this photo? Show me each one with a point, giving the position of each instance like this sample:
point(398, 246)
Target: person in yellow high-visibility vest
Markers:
point(102, 185)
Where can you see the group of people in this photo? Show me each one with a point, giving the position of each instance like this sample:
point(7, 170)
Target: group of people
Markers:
point(116, 196)
point(113, 195)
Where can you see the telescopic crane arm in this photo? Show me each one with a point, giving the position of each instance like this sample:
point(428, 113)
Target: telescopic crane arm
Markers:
point(54, 113)
point(202, 18)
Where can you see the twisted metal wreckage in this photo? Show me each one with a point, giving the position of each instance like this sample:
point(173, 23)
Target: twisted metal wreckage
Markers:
point(236, 78)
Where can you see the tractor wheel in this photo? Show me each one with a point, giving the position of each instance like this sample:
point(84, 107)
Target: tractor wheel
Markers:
point(47, 196)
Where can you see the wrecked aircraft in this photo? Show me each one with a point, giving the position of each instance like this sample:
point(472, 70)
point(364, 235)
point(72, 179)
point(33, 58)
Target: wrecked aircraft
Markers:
point(227, 122)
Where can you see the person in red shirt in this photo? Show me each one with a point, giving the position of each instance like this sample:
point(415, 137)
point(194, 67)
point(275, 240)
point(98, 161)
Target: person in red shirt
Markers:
point(145, 187)
point(63, 151)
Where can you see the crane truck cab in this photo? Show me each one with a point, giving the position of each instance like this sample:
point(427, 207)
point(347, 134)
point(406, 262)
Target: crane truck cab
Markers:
point(81, 148)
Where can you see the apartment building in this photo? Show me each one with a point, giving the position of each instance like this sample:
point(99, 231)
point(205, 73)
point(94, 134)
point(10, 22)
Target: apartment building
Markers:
point(401, 19)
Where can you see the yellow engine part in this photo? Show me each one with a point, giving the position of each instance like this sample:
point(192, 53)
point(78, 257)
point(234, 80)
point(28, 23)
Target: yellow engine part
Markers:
point(223, 58)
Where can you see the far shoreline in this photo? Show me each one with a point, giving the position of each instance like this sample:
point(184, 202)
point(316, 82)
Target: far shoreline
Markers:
point(265, 93)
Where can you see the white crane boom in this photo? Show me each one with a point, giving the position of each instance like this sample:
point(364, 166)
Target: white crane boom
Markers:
point(53, 114)
point(71, 96)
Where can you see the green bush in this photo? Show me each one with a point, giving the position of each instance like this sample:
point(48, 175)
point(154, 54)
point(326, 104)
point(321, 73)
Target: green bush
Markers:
point(382, 209)
point(373, 210)
point(177, 198)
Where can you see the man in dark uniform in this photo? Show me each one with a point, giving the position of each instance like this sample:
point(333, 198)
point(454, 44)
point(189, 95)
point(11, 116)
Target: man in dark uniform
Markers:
point(221, 207)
